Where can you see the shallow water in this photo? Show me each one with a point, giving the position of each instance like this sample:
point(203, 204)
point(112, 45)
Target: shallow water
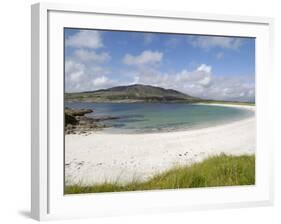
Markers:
point(161, 117)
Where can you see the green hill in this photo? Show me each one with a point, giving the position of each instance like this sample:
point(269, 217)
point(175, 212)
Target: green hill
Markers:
point(131, 93)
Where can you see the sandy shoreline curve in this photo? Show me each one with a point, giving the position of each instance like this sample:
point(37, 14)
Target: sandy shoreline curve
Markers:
point(120, 158)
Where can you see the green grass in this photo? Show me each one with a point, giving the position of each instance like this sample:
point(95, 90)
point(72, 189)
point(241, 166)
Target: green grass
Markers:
point(228, 102)
point(222, 170)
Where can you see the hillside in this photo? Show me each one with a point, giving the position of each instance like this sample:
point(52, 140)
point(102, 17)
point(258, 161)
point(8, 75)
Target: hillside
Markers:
point(131, 93)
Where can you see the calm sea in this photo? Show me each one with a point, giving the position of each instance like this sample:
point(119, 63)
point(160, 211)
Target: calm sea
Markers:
point(161, 117)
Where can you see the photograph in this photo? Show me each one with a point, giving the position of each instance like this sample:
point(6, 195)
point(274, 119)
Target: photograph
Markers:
point(157, 111)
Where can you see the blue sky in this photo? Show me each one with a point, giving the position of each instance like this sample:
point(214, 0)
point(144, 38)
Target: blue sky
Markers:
point(212, 67)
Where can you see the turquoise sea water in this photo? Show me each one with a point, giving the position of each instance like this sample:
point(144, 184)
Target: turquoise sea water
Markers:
point(161, 117)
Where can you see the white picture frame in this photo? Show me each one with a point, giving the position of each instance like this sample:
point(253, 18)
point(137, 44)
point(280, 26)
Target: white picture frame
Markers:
point(48, 201)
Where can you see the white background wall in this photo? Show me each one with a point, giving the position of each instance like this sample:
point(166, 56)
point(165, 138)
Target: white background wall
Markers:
point(15, 110)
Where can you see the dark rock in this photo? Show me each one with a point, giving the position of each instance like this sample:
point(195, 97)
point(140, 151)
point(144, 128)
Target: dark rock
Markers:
point(77, 122)
point(69, 119)
point(83, 122)
point(69, 126)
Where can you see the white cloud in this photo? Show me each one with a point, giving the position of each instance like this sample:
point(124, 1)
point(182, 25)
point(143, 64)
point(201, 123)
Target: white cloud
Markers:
point(205, 81)
point(76, 76)
point(208, 42)
point(200, 83)
point(86, 77)
point(91, 56)
point(71, 66)
point(85, 39)
point(100, 81)
point(84, 66)
point(204, 68)
point(85, 71)
point(145, 58)
point(241, 88)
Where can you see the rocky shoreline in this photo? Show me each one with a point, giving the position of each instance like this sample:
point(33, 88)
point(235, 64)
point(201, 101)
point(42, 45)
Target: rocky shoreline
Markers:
point(76, 121)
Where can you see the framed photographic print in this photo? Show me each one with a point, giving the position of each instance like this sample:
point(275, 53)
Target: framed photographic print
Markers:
point(145, 111)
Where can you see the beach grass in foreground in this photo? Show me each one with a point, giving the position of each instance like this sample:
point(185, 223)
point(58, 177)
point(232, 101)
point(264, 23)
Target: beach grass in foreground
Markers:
point(221, 170)
point(228, 102)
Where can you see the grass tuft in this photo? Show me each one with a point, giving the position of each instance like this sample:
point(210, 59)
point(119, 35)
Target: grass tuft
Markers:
point(221, 170)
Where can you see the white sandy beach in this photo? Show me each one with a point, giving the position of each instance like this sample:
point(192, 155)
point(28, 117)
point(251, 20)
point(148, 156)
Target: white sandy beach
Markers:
point(100, 157)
